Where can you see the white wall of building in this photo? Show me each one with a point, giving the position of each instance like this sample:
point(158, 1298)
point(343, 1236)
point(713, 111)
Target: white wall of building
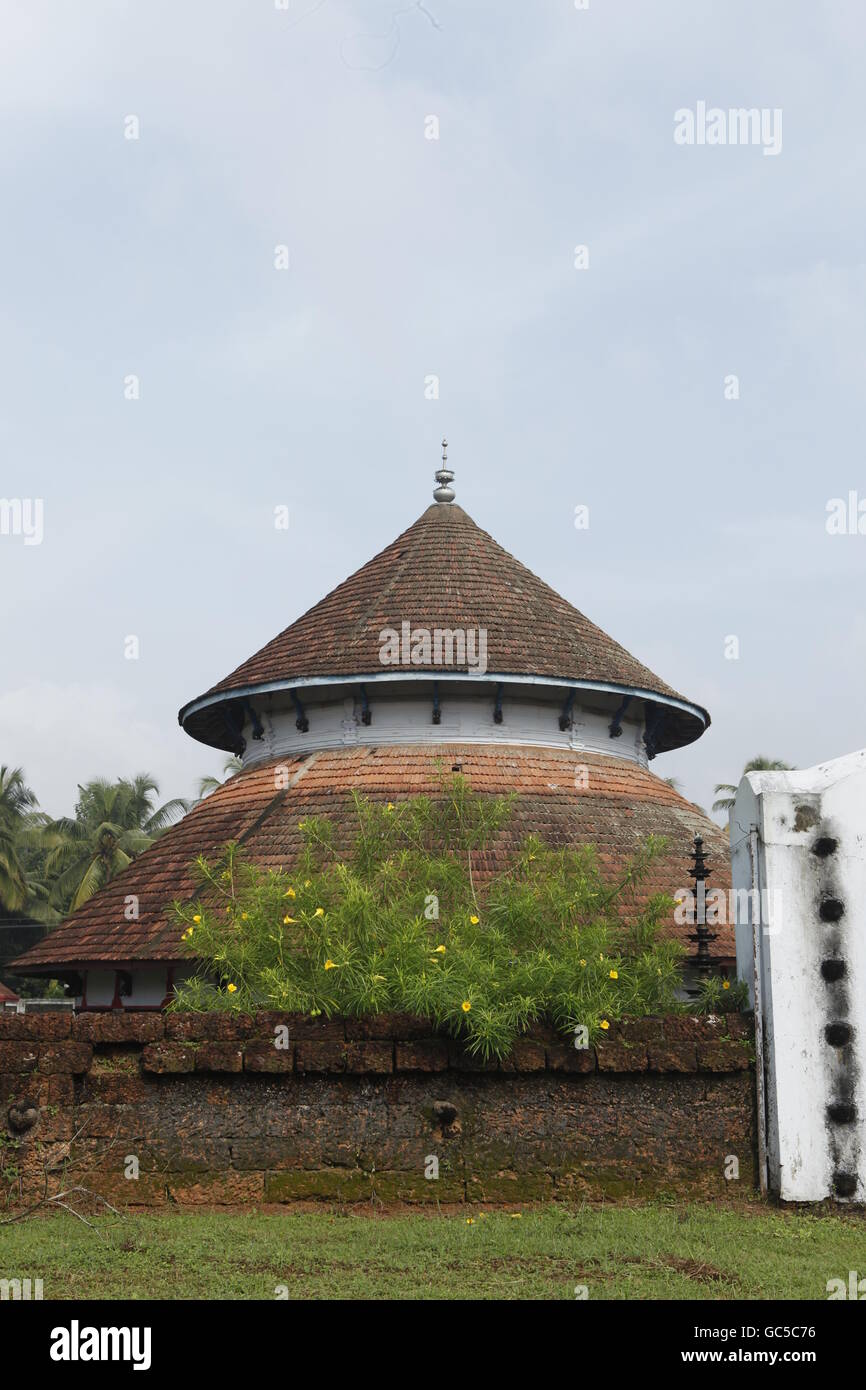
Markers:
point(150, 984)
point(800, 838)
point(464, 718)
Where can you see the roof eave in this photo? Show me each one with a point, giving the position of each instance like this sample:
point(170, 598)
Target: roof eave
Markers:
point(198, 717)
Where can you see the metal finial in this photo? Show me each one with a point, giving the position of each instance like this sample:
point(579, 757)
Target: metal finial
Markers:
point(444, 477)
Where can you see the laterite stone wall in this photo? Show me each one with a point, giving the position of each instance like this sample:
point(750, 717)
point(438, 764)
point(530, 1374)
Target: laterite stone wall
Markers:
point(218, 1108)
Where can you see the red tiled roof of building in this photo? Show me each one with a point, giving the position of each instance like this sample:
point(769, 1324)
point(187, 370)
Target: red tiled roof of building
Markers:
point(6, 995)
point(443, 572)
point(622, 804)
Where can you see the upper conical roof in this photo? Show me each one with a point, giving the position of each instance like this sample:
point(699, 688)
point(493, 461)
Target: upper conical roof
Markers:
point(444, 572)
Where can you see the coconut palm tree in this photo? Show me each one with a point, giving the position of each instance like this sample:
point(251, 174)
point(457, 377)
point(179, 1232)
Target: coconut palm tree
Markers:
point(18, 815)
point(209, 784)
point(130, 801)
point(113, 823)
point(22, 882)
point(759, 764)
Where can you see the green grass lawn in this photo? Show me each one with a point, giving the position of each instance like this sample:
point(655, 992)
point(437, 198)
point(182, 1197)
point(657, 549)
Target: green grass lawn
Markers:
point(695, 1251)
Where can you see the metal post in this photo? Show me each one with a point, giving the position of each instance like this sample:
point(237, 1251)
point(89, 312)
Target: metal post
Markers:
point(759, 1012)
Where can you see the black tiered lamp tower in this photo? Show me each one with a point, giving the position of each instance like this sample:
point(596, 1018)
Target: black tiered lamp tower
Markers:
point(701, 936)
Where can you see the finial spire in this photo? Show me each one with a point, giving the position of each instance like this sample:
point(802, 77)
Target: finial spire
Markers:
point(444, 477)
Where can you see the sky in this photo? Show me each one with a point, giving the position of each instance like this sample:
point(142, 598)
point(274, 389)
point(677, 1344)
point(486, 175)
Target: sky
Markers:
point(165, 383)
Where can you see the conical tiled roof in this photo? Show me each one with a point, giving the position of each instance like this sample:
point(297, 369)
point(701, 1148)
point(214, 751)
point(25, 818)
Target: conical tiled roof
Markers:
point(444, 572)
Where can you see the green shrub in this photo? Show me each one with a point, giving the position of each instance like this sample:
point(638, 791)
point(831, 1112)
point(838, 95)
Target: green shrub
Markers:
point(718, 996)
point(359, 933)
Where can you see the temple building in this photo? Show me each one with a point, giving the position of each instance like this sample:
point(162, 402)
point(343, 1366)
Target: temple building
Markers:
point(443, 652)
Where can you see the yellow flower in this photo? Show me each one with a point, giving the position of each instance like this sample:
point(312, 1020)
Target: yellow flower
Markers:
point(390, 806)
point(474, 921)
point(583, 962)
point(605, 1025)
point(440, 950)
point(307, 882)
point(287, 920)
point(470, 1221)
point(231, 988)
point(330, 965)
point(466, 1006)
point(319, 912)
point(614, 974)
point(515, 1215)
point(197, 917)
point(289, 893)
point(726, 984)
point(243, 916)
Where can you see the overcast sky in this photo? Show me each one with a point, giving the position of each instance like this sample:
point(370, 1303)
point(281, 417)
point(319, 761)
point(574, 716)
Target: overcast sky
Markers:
point(306, 127)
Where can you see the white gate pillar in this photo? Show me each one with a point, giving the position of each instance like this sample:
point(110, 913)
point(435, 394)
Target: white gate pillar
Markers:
point(798, 839)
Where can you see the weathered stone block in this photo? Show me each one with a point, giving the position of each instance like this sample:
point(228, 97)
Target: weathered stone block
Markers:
point(675, 1056)
point(220, 1056)
point(184, 1155)
point(46, 1027)
point(209, 1026)
point(267, 1057)
point(61, 1089)
point(399, 1186)
point(74, 1057)
point(429, 1054)
point(525, 1056)
point(741, 1026)
point(618, 1056)
point(561, 1057)
point(723, 1056)
point(326, 1184)
point(18, 1056)
point(639, 1030)
point(166, 1058)
point(263, 1153)
point(118, 1026)
point(509, 1187)
point(300, 1026)
point(320, 1056)
point(116, 1088)
point(695, 1028)
point(115, 1058)
point(226, 1188)
point(377, 1058)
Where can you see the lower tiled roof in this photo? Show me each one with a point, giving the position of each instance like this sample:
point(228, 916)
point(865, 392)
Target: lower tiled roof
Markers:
point(622, 805)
